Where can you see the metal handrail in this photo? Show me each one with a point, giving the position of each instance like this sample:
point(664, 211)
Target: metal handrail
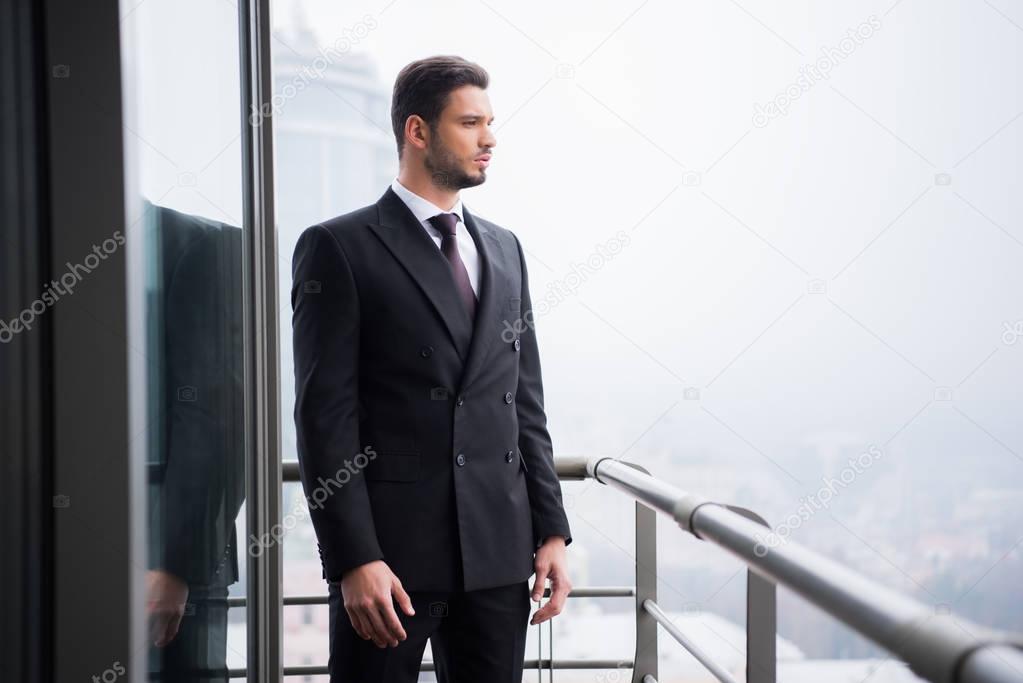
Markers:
point(933, 645)
point(645, 590)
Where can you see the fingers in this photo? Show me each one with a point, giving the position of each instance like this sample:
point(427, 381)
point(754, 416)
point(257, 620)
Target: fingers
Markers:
point(402, 598)
point(395, 632)
point(559, 594)
point(538, 583)
point(377, 621)
point(373, 625)
point(156, 626)
point(358, 623)
point(164, 626)
point(172, 628)
point(164, 620)
point(378, 631)
point(560, 588)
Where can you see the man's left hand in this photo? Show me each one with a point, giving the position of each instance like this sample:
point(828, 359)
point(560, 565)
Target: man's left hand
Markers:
point(550, 563)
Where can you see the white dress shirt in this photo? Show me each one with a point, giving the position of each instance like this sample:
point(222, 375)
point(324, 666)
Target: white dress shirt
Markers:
point(424, 209)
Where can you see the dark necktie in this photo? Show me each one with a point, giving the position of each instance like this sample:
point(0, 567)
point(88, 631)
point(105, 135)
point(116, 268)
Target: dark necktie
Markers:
point(446, 224)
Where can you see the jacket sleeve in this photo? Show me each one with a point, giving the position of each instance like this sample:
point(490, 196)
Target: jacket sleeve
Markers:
point(549, 518)
point(325, 327)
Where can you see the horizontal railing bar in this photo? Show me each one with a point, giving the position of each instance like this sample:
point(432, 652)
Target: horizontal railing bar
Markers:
point(701, 656)
point(322, 670)
point(933, 644)
point(580, 592)
point(568, 469)
point(598, 592)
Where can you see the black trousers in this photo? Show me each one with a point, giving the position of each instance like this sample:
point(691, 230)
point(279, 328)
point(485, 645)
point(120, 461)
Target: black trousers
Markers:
point(476, 636)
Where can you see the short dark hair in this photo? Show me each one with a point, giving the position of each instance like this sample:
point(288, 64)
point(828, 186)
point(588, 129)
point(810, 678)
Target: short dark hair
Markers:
point(424, 86)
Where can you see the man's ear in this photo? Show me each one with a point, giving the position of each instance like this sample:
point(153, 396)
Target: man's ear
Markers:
point(417, 132)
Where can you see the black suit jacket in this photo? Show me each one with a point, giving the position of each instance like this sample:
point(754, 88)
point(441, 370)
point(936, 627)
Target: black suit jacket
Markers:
point(197, 475)
point(456, 486)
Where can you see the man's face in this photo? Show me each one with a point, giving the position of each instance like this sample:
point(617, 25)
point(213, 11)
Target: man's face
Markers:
point(458, 152)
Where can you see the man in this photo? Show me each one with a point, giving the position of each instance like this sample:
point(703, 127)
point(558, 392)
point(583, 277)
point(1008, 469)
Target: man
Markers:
point(196, 467)
point(422, 437)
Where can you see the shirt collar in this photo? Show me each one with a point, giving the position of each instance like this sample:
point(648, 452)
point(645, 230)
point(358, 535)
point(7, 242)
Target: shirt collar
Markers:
point(422, 208)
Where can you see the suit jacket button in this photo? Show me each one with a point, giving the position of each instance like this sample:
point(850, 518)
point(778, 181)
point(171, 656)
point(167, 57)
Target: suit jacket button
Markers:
point(516, 344)
point(509, 456)
point(426, 351)
point(460, 459)
point(508, 398)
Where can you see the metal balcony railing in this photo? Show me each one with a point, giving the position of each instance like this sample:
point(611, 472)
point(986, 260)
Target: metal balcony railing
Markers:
point(935, 646)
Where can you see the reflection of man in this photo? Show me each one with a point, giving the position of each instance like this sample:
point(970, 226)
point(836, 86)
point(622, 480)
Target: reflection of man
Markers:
point(197, 490)
point(421, 429)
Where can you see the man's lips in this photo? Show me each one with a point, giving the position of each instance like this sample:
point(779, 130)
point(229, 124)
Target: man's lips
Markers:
point(483, 161)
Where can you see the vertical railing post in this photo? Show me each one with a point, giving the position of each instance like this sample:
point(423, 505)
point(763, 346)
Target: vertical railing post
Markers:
point(645, 659)
point(761, 629)
point(761, 619)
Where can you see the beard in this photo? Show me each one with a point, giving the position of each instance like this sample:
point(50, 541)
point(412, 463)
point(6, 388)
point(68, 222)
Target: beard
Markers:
point(446, 170)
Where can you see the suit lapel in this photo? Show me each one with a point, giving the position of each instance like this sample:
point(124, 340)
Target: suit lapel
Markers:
point(493, 281)
point(406, 239)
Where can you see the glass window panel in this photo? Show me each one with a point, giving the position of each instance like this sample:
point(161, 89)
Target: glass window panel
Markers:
point(182, 86)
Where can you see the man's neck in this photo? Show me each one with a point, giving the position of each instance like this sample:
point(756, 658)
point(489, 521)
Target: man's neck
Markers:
point(445, 199)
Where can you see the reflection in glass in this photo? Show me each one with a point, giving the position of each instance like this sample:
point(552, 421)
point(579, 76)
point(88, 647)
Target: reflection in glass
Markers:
point(184, 122)
point(197, 481)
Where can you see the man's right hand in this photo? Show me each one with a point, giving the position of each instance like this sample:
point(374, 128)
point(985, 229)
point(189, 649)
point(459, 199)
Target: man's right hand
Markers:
point(166, 599)
point(367, 591)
